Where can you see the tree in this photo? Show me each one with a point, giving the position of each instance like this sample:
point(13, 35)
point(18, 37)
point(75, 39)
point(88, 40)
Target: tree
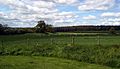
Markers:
point(112, 30)
point(49, 28)
point(41, 27)
point(3, 28)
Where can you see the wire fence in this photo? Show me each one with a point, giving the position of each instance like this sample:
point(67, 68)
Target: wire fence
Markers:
point(98, 40)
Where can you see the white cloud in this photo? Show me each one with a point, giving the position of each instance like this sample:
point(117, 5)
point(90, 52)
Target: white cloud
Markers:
point(24, 5)
point(1, 14)
point(66, 1)
point(96, 5)
point(89, 17)
point(27, 11)
point(64, 15)
point(43, 4)
point(110, 14)
point(64, 18)
point(114, 19)
point(110, 18)
point(110, 21)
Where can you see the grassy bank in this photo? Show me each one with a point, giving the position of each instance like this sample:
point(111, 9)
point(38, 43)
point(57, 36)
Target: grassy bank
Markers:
point(27, 62)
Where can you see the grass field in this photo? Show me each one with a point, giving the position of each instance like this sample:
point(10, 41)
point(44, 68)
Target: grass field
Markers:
point(91, 48)
point(27, 62)
point(41, 39)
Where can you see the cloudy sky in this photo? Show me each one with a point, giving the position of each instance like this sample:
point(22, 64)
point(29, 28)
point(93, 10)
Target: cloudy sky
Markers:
point(26, 13)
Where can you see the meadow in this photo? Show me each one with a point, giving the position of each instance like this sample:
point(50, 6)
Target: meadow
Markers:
point(35, 62)
point(84, 39)
point(101, 49)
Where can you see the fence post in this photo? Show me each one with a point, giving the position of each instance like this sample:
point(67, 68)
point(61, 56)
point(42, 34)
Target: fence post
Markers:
point(98, 40)
point(37, 43)
point(27, 41)
point(73, 40)
point(51, 41)
point(2, 46)
point(2, 43)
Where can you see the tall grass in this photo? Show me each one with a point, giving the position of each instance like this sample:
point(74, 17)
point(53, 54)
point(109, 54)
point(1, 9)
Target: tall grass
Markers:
point(85, 48)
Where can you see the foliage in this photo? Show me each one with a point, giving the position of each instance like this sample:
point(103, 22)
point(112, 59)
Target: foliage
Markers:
point(2, 28)
point(42, 27)
point(5, 30)
point(86, 28)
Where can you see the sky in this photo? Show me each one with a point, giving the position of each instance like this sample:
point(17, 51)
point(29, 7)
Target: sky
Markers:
point(26, 13)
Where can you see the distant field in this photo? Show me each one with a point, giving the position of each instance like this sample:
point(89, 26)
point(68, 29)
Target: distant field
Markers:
point(91, 48)
point(59, 39)
point(27, 62)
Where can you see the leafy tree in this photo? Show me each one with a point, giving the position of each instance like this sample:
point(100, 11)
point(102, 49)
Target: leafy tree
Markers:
point(49, 28)
point(42, 27)
point(112, 30)
point(3, 28)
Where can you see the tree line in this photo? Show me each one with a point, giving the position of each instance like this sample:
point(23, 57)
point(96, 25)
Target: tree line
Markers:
point(85, 28)
point(88, 28)
point(42, 27)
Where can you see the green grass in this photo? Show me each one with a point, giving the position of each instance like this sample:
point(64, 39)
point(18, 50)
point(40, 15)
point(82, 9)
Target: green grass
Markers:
point(41, 39)
point(27, 62)
point(85, 47)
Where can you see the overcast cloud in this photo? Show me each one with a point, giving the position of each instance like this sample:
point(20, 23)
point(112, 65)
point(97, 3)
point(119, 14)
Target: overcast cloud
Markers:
point(26, 13)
